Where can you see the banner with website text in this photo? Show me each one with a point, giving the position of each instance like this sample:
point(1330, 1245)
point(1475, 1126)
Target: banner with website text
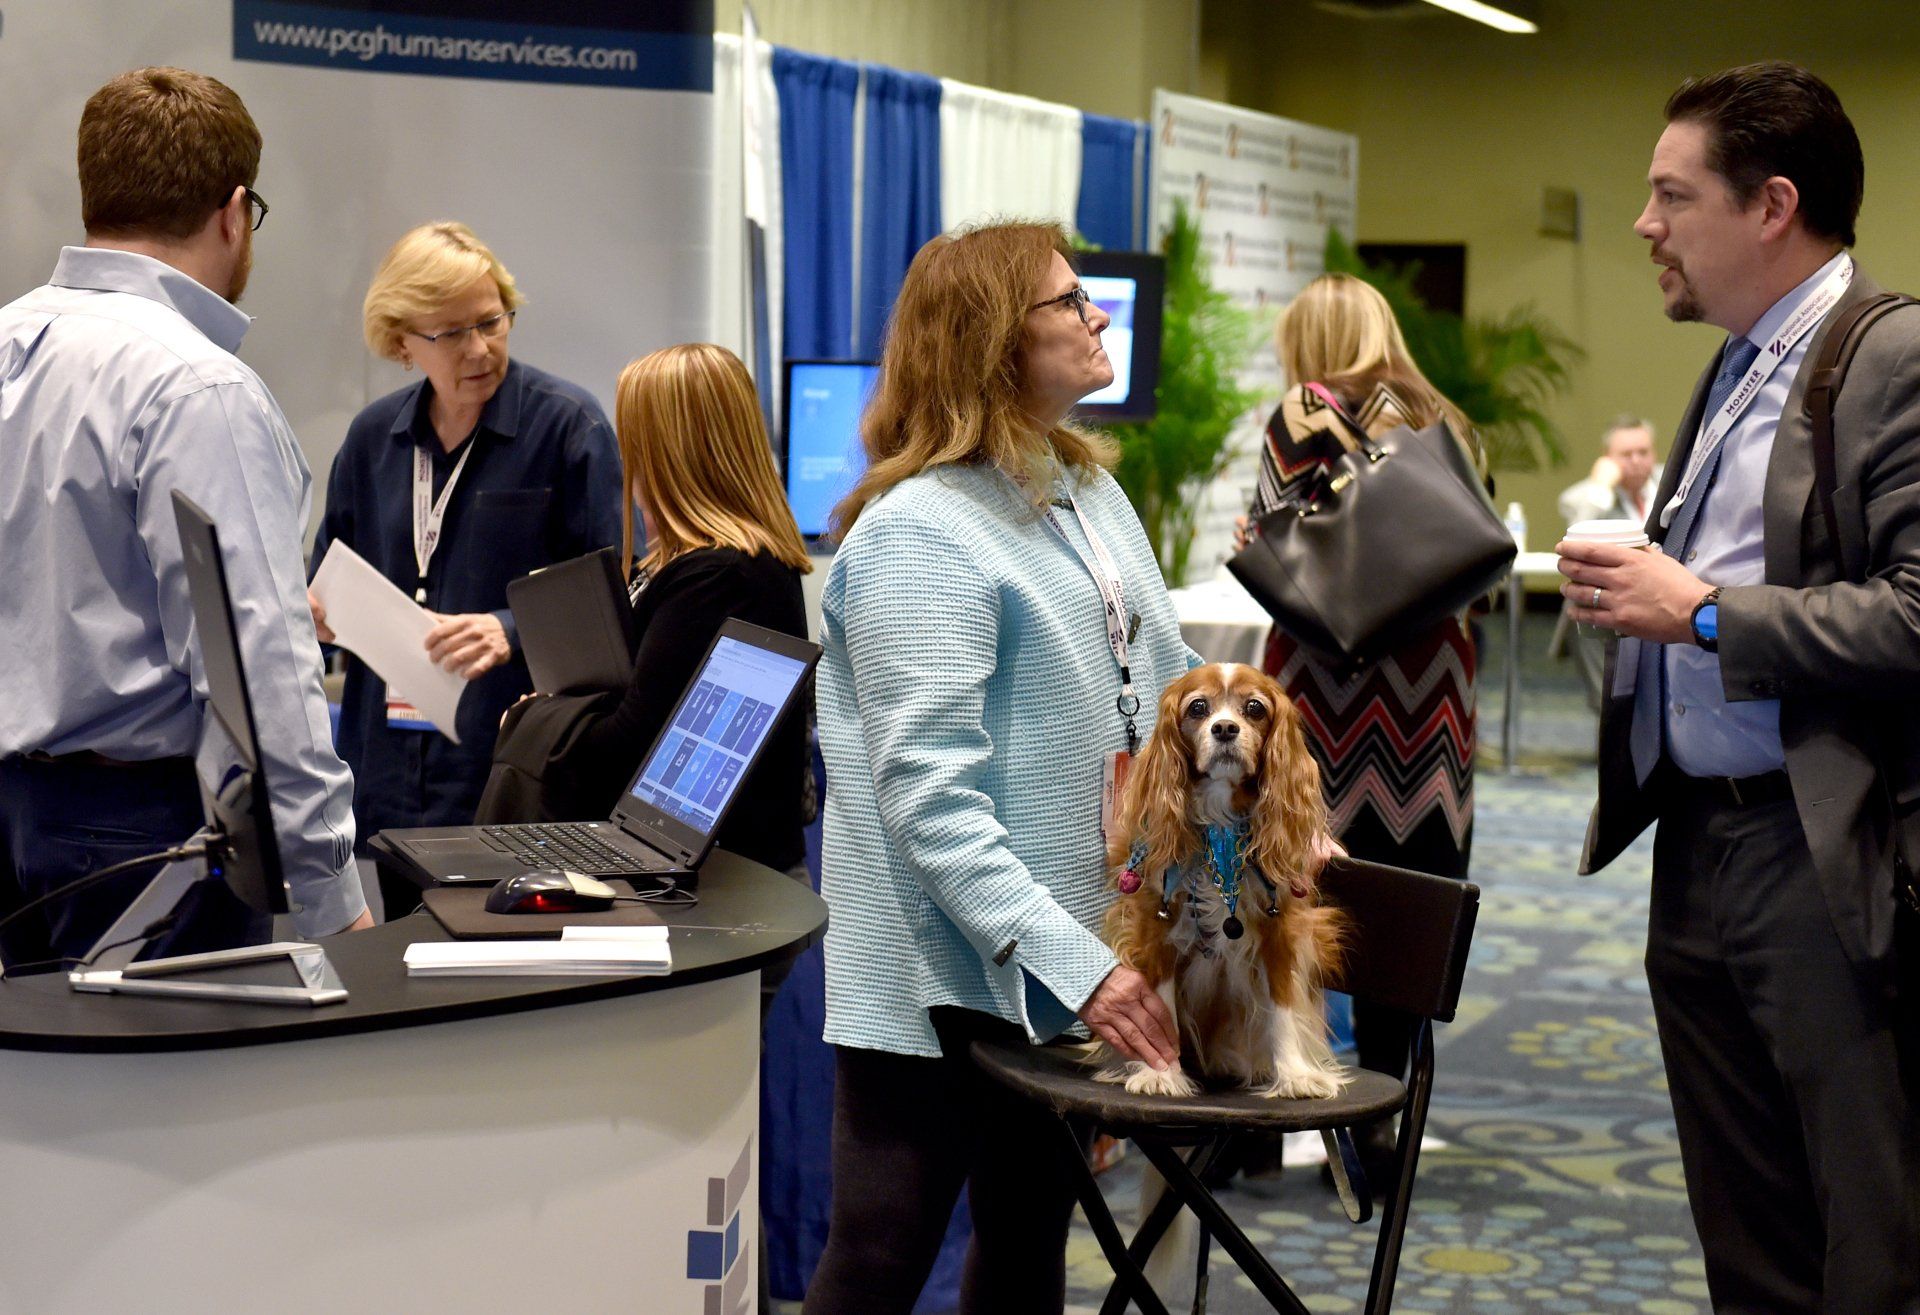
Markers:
point(580, 148)
point(1264, 191)
point(624, 45)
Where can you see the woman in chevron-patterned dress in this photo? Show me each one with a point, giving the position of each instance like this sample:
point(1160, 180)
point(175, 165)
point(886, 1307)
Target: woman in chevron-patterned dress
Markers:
point(1394, 738)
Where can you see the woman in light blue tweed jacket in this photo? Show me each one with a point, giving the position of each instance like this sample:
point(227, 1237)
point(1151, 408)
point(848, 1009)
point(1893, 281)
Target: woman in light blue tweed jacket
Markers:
point(968, 705)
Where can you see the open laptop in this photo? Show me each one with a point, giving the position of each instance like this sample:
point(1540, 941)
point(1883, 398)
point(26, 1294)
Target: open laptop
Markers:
point(664, 825)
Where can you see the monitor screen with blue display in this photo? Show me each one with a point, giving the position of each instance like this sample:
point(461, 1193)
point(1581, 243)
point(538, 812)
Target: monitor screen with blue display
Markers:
point(1130, 287)
point(700, 759)
point(824, 400)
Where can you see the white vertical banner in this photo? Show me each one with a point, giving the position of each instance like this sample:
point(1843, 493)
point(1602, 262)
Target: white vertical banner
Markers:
point(727, 257)
point(1264, 190)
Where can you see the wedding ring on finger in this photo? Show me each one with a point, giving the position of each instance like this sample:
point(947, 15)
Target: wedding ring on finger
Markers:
point(1595, 604)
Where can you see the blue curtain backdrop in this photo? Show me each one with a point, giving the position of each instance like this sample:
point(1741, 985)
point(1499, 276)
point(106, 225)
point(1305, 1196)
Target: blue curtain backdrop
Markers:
point(816, 170)
point(1108, 181)
point(900, 201)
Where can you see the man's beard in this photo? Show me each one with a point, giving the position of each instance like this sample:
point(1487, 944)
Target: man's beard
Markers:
point(1686, 307)
point(241, 271)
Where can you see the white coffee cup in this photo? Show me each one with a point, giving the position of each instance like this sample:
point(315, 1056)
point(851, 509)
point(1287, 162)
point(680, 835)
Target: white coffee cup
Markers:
point(1619, 533)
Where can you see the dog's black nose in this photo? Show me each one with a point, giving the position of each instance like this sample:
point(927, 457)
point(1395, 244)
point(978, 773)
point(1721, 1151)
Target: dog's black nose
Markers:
point(1226, 730)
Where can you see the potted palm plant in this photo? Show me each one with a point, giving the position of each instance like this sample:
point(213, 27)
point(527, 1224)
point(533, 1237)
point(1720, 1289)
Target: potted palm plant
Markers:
point(1165, 462)
point(1500, 372)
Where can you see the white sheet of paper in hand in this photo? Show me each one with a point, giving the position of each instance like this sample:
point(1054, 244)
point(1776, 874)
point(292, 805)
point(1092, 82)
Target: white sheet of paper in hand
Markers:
point(387, 630)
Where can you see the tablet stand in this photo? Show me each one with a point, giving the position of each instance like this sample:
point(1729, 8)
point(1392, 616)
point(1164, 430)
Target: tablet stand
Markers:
point(111, 967)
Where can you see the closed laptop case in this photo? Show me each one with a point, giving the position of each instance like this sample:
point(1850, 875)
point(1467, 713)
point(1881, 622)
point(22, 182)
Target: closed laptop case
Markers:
point(575, 624)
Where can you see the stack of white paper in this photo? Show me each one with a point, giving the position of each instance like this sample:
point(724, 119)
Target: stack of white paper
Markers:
point(572, 955)
point(370, 617)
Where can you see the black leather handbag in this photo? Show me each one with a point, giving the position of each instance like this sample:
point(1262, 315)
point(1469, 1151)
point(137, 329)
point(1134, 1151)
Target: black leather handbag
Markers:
point(1396, 534)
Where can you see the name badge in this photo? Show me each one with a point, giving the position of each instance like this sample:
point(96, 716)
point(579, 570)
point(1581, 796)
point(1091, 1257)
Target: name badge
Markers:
point(1112, 781)
point(403, 716)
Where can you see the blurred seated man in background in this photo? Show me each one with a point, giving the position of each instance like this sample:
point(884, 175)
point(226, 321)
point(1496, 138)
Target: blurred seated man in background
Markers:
point(1621, 484)
point(1620, 487)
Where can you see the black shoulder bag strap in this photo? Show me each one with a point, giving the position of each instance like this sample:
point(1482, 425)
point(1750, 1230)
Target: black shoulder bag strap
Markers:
point(1823, 388)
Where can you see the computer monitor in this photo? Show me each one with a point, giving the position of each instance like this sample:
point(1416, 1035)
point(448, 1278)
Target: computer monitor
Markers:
point(237, 807)
point(1130, 287)
point(823, 403)
point(240, 845)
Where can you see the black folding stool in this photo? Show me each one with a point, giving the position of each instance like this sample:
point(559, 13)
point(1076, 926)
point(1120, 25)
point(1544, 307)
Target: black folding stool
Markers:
point(1408, 948)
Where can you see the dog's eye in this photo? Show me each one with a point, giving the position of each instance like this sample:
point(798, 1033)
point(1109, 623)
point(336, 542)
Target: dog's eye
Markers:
point(1197, 708)
point(1256, 709)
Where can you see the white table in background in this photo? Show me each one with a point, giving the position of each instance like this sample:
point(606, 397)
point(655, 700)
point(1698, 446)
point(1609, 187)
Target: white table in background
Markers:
point(1221, 622)
point(1535, 566)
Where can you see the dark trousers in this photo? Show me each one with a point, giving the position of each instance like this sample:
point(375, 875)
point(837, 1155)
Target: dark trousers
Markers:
point(62, 819)
point(1800, 1143)
point(908, 1133)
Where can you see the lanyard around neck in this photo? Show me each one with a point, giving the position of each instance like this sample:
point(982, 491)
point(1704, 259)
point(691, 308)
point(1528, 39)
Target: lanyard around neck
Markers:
point(429, 511)
point(1812, 309)
point(1113, 598)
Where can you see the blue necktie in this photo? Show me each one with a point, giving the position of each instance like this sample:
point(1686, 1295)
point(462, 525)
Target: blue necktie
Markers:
point(1650, 684)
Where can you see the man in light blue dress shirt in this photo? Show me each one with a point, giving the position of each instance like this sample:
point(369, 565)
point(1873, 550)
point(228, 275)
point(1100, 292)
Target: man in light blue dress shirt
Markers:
point(118, 386)
point(1762, 706)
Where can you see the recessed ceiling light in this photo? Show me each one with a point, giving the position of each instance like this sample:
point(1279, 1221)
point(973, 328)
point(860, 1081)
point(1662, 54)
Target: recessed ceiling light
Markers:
point(1488, 14)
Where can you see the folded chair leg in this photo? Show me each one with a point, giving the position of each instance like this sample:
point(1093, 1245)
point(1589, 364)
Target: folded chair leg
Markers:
point(1236, 1243)
point(1343, 1161)
point(1200, 1272)
point(1159, 1219)
point(1393, 1219)
point(1126, 1272)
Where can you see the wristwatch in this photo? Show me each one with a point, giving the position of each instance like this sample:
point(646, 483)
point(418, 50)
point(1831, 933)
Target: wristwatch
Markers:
point(1706, 621)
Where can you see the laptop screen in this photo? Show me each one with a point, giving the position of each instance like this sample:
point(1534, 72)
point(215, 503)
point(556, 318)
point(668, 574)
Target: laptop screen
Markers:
point(726, 715)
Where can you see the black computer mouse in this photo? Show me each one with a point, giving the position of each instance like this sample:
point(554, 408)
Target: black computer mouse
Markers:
point(550, 892)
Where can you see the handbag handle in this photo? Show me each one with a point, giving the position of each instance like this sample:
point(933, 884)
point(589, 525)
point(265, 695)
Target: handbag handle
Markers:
point(1362, 439)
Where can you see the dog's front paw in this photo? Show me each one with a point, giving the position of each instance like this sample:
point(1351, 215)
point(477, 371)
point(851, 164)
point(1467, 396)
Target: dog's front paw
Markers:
point(1307, 1084)
point(1170, 1081)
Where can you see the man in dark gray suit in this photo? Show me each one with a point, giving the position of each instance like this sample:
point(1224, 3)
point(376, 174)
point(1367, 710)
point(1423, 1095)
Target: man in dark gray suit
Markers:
point(1764, 706)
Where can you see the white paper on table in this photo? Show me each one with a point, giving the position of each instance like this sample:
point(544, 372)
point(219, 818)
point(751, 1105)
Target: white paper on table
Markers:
point(387, 630)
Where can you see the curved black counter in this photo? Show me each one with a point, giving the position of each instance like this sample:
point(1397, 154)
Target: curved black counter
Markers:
point(748, 917)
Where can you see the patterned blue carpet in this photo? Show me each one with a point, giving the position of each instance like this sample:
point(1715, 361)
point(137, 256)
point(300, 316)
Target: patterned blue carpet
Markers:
point(1559, 1187)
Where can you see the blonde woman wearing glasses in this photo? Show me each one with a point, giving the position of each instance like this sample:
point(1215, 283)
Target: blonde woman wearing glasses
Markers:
point(482, 471)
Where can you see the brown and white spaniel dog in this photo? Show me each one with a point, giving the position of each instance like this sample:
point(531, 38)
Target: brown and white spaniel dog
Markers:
point(1221, 832)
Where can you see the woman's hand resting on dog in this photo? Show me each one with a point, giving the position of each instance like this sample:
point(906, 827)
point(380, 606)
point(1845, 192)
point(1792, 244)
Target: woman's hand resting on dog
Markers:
point(1129, 1015)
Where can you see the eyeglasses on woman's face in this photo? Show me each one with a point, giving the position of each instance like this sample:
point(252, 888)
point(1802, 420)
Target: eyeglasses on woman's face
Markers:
point(1076, 297)
point(491, 327)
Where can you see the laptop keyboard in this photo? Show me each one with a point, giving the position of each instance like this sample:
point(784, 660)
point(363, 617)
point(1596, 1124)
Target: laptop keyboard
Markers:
point(564, 845)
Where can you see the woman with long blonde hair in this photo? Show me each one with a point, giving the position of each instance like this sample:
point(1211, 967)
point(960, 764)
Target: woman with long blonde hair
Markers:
point(970, 700)
point(1394, 738)
point(720, 543)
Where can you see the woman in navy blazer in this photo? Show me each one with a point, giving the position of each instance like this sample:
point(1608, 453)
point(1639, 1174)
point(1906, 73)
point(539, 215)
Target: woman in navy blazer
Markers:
point(519, 471)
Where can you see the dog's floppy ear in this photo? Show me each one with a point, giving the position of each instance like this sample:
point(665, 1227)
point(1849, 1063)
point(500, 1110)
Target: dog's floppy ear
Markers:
point(1289, 813)
point(1153, 809)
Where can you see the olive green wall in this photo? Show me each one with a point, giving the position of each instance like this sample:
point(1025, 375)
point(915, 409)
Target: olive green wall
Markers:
point(1461, 127)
